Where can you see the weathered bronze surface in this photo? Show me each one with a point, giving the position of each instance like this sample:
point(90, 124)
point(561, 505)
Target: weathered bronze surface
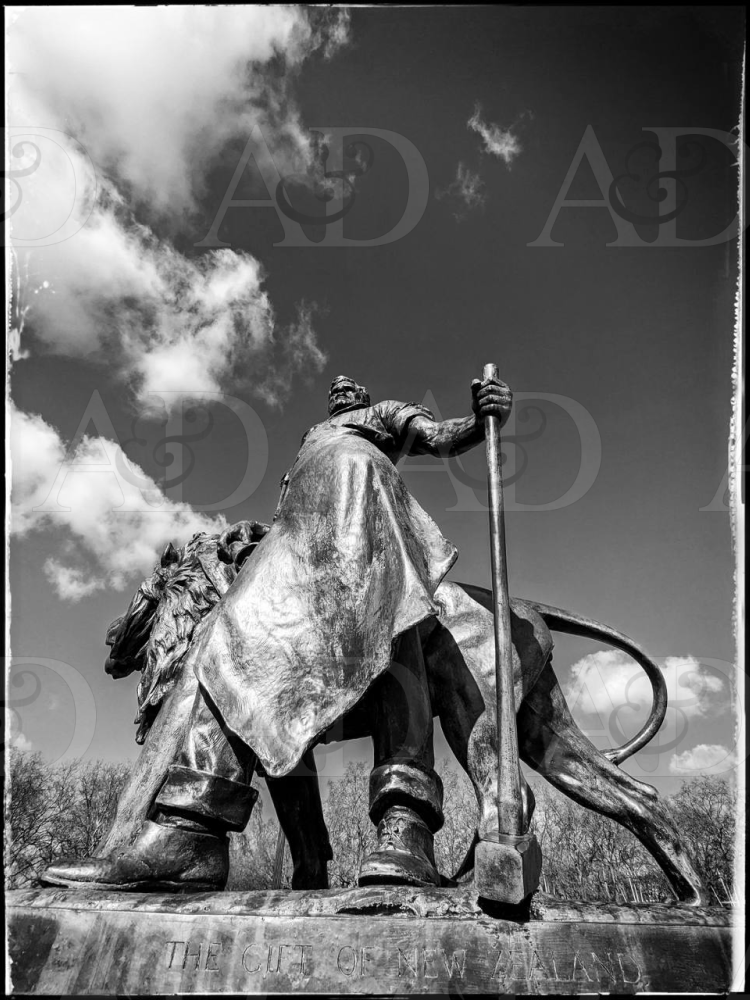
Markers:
point(459, 659)
point(508, 870)
point(376, 941)
point(508, 867)
point(339, 626)
point(509, 795)
point(321, 619)
point(351, 562)
point(163, 858)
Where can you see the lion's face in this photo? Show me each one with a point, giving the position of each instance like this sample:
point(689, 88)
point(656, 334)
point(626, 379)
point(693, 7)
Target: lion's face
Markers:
point(128, 636)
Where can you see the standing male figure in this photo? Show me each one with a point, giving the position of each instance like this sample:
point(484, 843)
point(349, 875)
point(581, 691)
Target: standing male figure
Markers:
point(320, 622)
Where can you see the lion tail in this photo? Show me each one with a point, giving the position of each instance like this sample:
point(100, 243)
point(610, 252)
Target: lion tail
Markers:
point(573, 624)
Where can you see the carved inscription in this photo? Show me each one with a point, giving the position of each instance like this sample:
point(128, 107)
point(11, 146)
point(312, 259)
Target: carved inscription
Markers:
point(346, 960)
point(276, 959)
point(189, 955)
point(515, 962)
point(523, 963)
point(431, 963)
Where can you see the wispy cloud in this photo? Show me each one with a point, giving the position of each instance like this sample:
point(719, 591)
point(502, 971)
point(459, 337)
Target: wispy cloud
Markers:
point(465, 193)
point(706, 758)
point(503, 143)
point(110, 526)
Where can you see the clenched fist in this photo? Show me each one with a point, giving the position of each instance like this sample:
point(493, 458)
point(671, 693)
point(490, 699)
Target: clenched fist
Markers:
point(491, 398)
point(238, 541)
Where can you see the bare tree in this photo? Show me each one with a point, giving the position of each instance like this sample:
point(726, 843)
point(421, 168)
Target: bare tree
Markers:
point(66, 809)
point(29, 809)
point(252, 853)
point(351, 832)
point(55, 811)
point(705, 809)
point(346, 811)
point(97, 789)
point(589, 857)
point(460, 811)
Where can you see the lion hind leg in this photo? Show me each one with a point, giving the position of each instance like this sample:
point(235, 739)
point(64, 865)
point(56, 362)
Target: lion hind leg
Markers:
point(476, 751)
point(556, 748)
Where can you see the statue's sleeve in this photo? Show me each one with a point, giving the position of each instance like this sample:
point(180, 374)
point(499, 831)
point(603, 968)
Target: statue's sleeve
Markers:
point(396, 418)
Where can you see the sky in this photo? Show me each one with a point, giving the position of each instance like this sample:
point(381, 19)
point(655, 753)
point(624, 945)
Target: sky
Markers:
point(175, 348)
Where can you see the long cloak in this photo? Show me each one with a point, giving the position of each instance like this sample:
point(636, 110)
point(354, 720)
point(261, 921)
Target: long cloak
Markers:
point(350, 563)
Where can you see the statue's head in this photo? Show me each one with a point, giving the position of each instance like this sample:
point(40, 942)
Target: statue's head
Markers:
point(346, 394)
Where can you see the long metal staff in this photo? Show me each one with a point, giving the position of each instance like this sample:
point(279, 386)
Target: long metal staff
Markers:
point(510, 803)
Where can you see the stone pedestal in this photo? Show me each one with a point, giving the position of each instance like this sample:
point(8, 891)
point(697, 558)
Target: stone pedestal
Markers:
point(377, 941)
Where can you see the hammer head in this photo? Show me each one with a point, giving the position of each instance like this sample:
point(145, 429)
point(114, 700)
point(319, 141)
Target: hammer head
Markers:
point(508, 871)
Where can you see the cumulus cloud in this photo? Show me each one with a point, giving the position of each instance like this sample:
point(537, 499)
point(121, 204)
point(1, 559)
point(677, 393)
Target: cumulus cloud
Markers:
point(602, 682)
point(706, 758)
point(152, 96)
point(466, 192)
point(21, 742)
point(14, 735)
point(155, 92)
point(503, 143)
point(171, 323)
point(112, 524)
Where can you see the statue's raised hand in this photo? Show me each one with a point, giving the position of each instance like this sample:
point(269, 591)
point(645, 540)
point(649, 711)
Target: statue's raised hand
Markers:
point(491, 398)
point(237, 541)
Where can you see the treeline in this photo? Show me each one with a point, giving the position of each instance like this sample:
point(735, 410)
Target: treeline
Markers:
point(55, 811)
point(592, 858)
point(65, 810)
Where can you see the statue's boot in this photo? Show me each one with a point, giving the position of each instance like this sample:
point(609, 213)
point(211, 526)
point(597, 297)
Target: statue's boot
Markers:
point(405, 852)
point(162, 859)
point(183, 845)
point(406, 795)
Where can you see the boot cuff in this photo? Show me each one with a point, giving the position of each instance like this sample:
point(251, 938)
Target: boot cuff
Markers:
point(209, 798)
point(405, 785)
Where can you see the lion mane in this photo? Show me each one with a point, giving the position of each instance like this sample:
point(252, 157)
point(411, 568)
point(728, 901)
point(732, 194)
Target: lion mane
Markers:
point(160, 623)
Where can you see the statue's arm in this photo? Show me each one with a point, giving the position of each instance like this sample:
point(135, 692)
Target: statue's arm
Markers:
point(443, 438)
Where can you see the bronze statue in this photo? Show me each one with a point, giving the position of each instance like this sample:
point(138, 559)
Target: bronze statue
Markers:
point(304, 639)
point(328, 606)
point(459, 669)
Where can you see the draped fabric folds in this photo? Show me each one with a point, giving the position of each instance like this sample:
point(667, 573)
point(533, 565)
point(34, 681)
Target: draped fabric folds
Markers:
point(351, 562)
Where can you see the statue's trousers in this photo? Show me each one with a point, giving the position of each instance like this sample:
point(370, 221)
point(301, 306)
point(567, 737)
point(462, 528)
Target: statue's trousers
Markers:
point(209, 781)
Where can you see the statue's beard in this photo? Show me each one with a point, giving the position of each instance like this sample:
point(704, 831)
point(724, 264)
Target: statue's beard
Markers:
point(361, 398)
